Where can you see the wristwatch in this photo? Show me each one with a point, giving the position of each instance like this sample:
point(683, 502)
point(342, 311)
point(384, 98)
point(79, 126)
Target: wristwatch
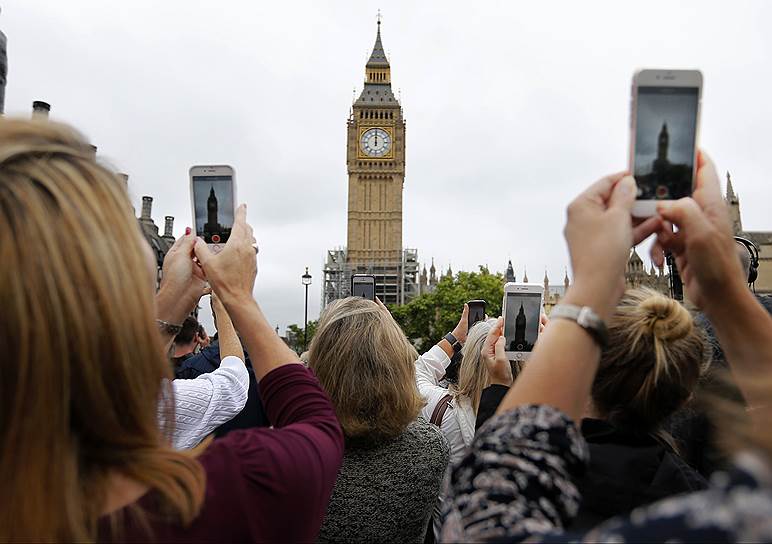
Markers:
point(585, 317)
point(454, 343)
point(165, 327)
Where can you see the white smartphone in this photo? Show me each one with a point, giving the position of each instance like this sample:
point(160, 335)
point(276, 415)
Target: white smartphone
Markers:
point(664, 126)
point(522, 310)
point(213, 199)
point(363, 285)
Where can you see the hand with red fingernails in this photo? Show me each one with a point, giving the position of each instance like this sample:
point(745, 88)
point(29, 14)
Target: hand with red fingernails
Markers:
point(232, 273)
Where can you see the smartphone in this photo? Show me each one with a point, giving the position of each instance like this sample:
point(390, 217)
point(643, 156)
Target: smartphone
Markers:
point(476, 311)
point(363, 285)
point(213, 198)
point(522, 310)
point(664, 125)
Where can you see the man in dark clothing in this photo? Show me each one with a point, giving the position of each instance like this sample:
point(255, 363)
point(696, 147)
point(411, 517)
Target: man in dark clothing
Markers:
point(185, 342)
point(208, 360)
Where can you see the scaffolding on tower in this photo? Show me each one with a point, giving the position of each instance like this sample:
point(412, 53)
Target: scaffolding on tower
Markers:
point(395, 282)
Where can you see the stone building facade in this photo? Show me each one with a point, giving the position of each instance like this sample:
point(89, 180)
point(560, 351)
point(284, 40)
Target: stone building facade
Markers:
point(762, 239)
point(159, 243)
point(636, 275)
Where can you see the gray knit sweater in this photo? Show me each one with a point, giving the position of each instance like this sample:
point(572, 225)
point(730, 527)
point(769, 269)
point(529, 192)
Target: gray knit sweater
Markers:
point(386, 493)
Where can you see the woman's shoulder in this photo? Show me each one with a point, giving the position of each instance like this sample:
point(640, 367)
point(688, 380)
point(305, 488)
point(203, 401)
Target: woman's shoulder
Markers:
point(427, 436)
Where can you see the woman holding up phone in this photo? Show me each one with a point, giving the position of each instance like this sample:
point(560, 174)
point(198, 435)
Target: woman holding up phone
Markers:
point(83, 457)
point(535, 428)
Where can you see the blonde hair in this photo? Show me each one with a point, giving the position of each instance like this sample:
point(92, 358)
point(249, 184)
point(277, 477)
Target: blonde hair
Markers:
point(83, 364)
point(472, 373)
point(367, 366)
point(654, 359)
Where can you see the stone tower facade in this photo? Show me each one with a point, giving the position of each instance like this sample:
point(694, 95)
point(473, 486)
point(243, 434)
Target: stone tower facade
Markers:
point(375, 161)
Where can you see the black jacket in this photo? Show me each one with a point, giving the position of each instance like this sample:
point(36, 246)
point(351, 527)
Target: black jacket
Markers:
point(208, 360)
point(627, 469)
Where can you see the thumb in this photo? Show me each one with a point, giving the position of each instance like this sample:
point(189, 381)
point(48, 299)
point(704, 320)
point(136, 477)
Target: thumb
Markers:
point(202, 252)
point(499, 348)
point(623, 194)
point(685, 213)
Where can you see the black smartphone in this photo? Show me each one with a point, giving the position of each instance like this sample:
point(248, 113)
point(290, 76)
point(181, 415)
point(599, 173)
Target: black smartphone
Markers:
point(363, 285)
point(476, 311)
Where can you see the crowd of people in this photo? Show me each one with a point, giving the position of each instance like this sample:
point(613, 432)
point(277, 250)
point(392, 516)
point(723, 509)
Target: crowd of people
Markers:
point(121, 419)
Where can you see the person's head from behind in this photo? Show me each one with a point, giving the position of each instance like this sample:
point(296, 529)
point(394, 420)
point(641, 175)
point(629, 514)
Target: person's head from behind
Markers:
point(186, 340)
point(202, 338)
point(472, 373)
point(367, 366)
point(82, 363)
point(654, 359)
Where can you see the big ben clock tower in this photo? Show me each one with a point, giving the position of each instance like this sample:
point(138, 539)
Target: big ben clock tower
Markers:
point(375, 160)
point(376, 167)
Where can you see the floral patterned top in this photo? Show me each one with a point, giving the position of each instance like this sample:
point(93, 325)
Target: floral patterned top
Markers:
point(517, 482)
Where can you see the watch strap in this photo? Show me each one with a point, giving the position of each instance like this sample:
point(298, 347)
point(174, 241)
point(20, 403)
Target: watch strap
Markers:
point(585, 317)
point(453, 341)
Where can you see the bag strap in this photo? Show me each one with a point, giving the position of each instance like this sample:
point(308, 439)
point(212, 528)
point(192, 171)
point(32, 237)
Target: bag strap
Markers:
point(440, 409)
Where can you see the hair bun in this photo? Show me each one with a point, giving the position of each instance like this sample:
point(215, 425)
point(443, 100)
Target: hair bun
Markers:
point(667, 319)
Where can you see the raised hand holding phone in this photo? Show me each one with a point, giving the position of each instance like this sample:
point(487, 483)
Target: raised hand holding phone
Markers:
point(232, 271)
point(704, 249)
point(494, 356)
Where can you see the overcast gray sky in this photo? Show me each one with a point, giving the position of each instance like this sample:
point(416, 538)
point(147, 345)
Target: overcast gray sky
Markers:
point(511, 108)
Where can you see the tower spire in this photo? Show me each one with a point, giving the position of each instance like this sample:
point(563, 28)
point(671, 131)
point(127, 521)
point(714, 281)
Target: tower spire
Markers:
point(377, 68)
point(730, 195)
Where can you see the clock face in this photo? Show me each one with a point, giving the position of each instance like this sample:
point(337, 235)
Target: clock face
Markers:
point(375, 142)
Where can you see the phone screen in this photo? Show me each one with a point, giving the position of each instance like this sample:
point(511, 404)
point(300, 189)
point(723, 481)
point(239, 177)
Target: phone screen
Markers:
point(665, 135)
point(521, 327)
point(214, 207)
point(476, 311)
point(364, 288)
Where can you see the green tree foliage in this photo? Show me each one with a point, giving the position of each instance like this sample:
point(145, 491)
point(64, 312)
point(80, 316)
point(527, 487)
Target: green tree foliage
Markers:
point(295, 335)
point(427, 318)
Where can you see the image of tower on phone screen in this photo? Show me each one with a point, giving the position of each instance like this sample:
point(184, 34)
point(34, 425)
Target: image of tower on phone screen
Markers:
point(664, 142)
point(213, 201)
point(521, 327)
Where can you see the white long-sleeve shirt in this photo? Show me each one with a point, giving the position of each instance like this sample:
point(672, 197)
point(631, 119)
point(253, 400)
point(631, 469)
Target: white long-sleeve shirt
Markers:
point(206, 402)
point(459, 419)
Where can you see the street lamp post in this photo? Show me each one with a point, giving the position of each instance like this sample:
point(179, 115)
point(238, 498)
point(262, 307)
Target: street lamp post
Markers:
point(306, 279)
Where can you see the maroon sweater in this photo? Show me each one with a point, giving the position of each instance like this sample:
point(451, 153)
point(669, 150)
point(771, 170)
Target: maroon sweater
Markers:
point(262, 485)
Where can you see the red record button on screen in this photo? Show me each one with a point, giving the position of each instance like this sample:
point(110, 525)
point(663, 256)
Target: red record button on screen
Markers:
point(215, 238)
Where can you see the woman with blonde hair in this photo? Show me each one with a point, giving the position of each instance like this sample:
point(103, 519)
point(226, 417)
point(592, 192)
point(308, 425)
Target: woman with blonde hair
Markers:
point(454, 409)
point(650, 368)
point(84, 369)
point(394, 461)
point(519, 479)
